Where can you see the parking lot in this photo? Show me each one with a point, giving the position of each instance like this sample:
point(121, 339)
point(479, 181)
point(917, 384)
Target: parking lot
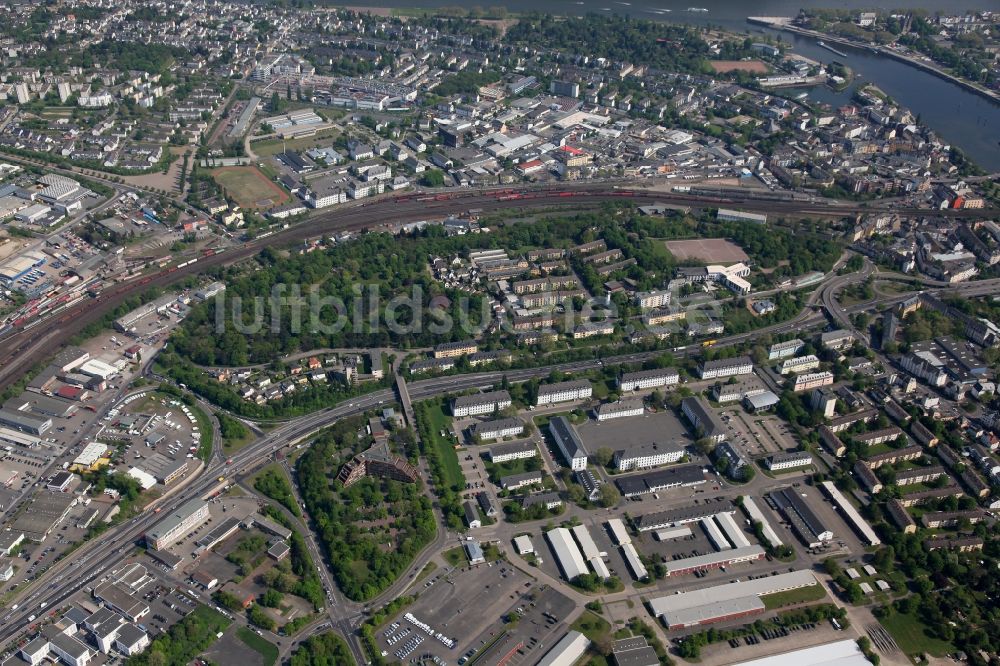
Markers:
point(465, 605)
point(472, 469)
point(758, 645)
point(661, 427)
point(757, 435)
point(153, 424)
point(686, 546)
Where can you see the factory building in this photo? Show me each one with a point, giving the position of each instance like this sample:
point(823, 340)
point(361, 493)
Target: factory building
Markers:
point(723, 558)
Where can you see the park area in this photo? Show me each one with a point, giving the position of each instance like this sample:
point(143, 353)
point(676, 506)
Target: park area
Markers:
point(249, 187)
point(910, 634)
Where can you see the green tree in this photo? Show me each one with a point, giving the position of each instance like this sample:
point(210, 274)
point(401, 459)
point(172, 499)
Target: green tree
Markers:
point(432, 178)
point(608, 495)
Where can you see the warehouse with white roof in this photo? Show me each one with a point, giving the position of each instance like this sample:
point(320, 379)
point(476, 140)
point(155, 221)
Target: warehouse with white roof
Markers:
point(567, 553)
point(733, 532)
point(618, 531)
point(91, 453)
point(567, 651)
point(839, 653)
point(859, 524)
point(756, 515)
point(725, 602)
point(714, 534)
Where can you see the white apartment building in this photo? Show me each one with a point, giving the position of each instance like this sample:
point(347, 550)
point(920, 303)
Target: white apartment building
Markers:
point(646, 455)
point(781, 350)
point(499, 429)
point(618, 410)
point(569, 443)
point(726, 367)
point(812, 380)
point(648, 300)
point(360, 190)
point(781, 461)
point(799, 364)
point(325, 193)
point(550, 394)
point(648, 379)
point(514, 451)
point(480, 403)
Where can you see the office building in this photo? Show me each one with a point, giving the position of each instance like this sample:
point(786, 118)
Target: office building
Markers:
point(169, 530)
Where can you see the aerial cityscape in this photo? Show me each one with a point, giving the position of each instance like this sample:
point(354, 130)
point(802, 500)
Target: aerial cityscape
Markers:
point(577, 333)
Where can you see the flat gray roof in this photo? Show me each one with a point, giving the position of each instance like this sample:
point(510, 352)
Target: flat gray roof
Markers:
point(169, 523)
point(684, 514)
point(730, 591)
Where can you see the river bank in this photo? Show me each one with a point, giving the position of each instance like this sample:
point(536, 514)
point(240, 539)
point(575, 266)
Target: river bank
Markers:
point(784, 23)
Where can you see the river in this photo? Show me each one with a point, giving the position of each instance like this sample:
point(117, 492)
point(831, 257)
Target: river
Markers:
point(960, 117)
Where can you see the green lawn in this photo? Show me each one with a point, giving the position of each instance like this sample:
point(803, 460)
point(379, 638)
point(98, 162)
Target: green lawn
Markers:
point(438, 421)
point(519, 466)
point(235, 434)
point(426, 571)
point(269, 147)
point(593, 626)
point(799, 596)
point(455, 556)
point(266, 649)
point(909, 633)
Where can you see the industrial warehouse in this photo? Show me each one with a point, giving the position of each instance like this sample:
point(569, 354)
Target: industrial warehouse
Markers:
point(724, 602)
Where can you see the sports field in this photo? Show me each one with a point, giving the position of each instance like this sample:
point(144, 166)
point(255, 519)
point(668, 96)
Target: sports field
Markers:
point(709, 250)
point(752, 66)
point(249, 187)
